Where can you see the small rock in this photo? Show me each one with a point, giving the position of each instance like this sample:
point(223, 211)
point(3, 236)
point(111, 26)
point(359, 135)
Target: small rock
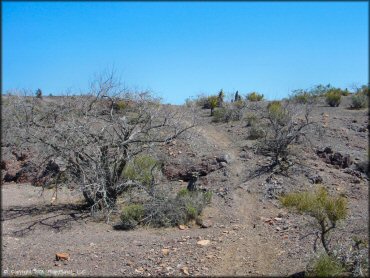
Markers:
point(224, 158)
point(203, 242)
point(165, 252)
point(62, 256)
point(182, 227)
point(185, 270)
point(206, 224)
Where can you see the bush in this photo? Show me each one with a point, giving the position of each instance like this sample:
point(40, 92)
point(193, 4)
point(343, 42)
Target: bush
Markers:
point(251, 119)
point(359, 100)
point(140, 169)
point(120, 105)
point(326, 266)
point(166, 211)
point(333, 97)
point(229, 113)
point(256, 132)
point(302, 96)
point(254, 96)
point(213, 102)
point(131, 215)
point(276, 112)
point(327, 210)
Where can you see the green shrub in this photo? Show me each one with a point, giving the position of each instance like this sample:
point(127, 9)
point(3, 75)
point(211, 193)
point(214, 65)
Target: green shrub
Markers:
point(254, 96)
point(120, 105)
point(213, 102)
point(327, 210)
point(140, 169)
point(333, 97)
point(326, 266)
point(131, 215)
point(302, 96)
point(359, 100)
point(277, 113)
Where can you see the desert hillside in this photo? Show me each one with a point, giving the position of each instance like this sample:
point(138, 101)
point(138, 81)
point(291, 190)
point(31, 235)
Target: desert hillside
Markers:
point(242, 230)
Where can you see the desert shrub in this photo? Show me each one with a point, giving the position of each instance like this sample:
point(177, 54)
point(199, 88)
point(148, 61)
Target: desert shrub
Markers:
point(120, 105)
point(221, 96)
point(359, 100)
point(325, 266)
point(277, 112)
point(327, 210)
point(39, 93)
point(256, 132)
point(302, 96)
point(166, 211)
point(254, 96)
point(233, 112)
point(320, 90)
point(140, 169)
point(131, 215)
point(333, 97)
point(250, 119)
point(213, 102)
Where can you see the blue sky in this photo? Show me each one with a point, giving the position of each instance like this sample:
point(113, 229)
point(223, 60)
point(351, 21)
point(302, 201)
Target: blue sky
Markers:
point(182, 49)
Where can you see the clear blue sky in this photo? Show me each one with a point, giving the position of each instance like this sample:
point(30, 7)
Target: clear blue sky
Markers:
point(181, 49)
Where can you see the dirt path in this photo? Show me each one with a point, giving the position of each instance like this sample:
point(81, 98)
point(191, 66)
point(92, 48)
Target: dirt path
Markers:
point(248, 252)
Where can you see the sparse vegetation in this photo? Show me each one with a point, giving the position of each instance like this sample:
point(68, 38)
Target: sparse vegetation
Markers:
point(165, 211)
point(326, 209)
point(38, 93)
point(254, 96)
point(213, 102)
point(326, 266)
point(360, 100)
point(95, 142)
point(283, 123)
point(229, 112)
point(333, 97)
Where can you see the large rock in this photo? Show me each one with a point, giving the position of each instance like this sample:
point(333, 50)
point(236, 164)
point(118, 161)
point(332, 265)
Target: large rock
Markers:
point(335, 158)
point(177, 170)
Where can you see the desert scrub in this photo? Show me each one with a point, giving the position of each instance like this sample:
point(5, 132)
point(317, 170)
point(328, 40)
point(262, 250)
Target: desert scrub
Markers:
point(333, 97)
point(213, 102)
point(172, 211)
point(141, 169)
point(255, 132)
point(359, 100)
point(276, 112)
point(302, 96)
point(254, 96)
point(120, 105)
point(228, 113)
point(326, 209)
point(131, 215)
point(325, 266)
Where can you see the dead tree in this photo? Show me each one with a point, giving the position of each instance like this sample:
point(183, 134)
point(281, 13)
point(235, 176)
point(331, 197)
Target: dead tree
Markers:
point(284, 123)
point(94, 139)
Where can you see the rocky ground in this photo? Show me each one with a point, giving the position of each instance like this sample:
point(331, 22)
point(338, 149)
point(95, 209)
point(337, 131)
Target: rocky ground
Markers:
point(246, 231)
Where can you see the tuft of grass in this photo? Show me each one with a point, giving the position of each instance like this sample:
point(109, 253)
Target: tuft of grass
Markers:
point(326, 266)
point(317, 204)
point(131, 215)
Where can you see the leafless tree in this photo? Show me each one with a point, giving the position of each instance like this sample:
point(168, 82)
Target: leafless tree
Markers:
point(284, 123)
point(97, 134)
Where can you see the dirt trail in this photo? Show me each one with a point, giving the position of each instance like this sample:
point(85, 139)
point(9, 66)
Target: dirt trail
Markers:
point(248, 252)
